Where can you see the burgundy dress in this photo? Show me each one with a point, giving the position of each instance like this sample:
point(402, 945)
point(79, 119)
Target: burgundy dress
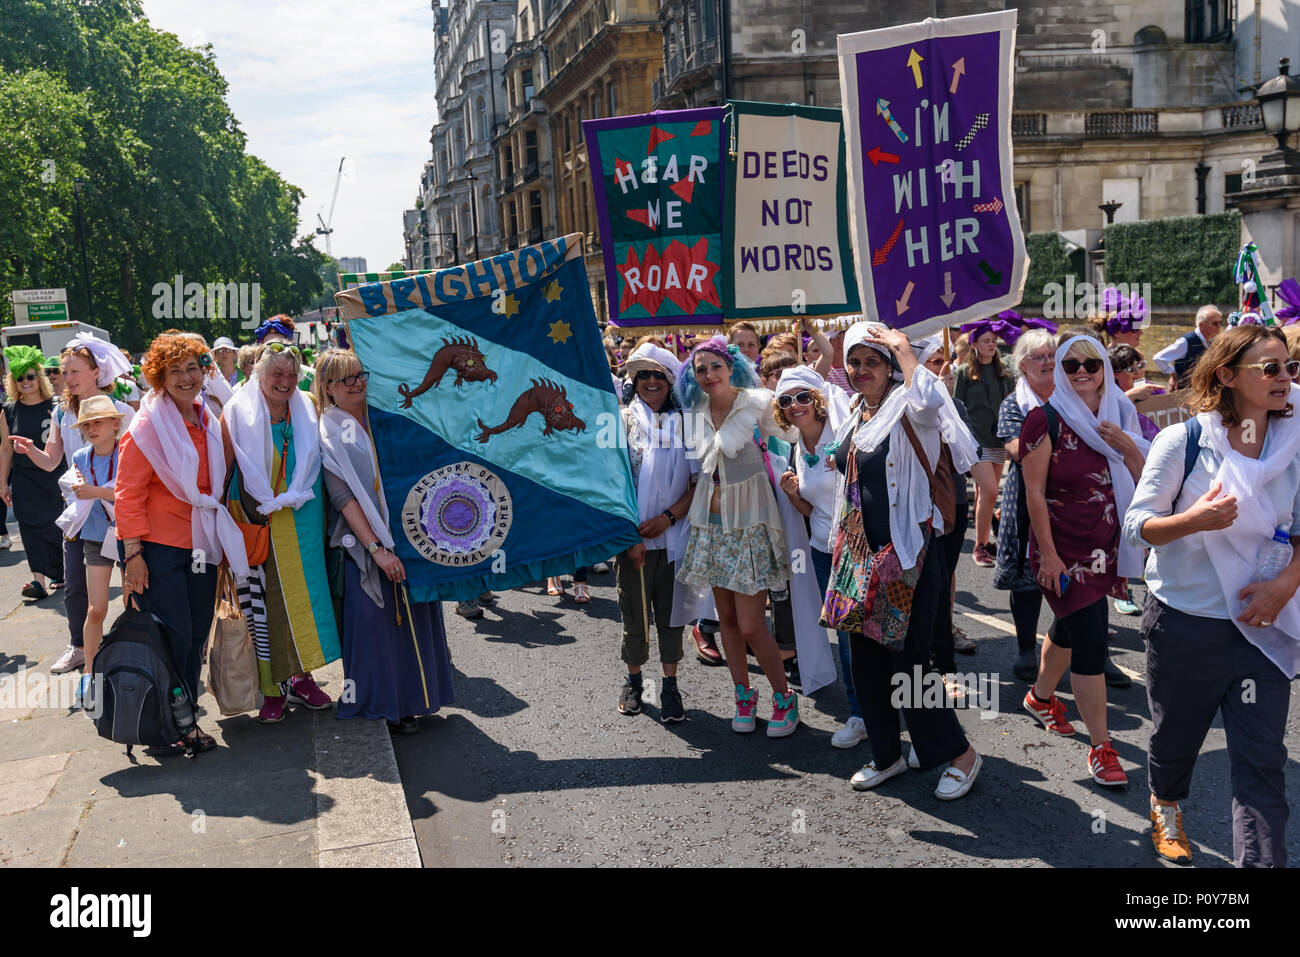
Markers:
point(1081, 507)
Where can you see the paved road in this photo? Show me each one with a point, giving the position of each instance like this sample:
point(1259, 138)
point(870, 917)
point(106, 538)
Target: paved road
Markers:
point(536, 766)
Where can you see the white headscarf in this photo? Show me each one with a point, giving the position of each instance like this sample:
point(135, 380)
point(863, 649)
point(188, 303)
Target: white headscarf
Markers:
point(858, 334)
point(108, 358)
point(249, 420)
point(648, 356)
point(160, 434)
point(804, 377)
point(1115, 408)
point(347, 451)
point(961, 444)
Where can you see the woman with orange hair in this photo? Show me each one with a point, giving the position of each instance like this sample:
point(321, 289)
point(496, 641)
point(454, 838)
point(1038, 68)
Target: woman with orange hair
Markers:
point(174, 530)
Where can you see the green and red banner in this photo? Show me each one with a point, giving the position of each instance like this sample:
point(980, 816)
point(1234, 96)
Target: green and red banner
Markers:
point(657, 180)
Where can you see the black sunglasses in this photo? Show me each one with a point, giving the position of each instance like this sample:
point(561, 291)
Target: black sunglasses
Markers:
point(1090, 366)
point(29, 377)
point(803, 398)
point(643, 374)
point(1273, 367)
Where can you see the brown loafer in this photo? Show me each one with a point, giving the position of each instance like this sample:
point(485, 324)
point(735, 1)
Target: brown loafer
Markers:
point(706, 648)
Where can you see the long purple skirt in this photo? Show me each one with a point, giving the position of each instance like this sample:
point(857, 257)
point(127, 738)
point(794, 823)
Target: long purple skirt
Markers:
point(380, 663)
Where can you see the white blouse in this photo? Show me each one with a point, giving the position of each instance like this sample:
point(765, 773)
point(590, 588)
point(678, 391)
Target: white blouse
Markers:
point(817, 484)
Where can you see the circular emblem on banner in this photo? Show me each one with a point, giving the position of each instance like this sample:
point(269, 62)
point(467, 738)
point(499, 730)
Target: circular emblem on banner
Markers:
point(458, 515)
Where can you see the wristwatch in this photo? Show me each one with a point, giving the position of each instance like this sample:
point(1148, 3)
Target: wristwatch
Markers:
point(373, 547)
point(672, 519)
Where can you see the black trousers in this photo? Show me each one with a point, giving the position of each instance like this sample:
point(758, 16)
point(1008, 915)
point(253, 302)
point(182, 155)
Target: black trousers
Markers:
point(1200, 667)
point(183, 600)
point(950, 545)
point(936, 733)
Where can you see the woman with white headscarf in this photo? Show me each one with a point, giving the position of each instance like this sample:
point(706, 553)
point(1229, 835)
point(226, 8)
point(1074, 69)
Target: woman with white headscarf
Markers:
point(1034, 362)
point(816, 409)
point(1222, 627)
point(270, 429)
point(900, 406)
point(661, 473)
point(394, 650)
point(1081, 455)
point(90, 367)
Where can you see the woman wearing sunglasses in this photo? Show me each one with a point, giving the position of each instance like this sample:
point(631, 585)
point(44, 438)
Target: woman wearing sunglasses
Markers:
point(736, 542)
point(271, 430)
point(90, 367)
point(1081, 455)
point(1221, 624)
point(884, 501)
point(32, 491)
point(394, 649)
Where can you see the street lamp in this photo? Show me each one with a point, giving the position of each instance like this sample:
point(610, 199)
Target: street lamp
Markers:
point(81, 231)
point(473, 204)
point(1279, 102)
point(1110, 209)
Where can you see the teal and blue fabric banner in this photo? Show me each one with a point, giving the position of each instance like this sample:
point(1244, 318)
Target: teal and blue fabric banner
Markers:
point(495, 421)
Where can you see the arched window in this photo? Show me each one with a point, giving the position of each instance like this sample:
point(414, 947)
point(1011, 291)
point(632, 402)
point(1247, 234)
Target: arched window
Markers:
point(484, 131)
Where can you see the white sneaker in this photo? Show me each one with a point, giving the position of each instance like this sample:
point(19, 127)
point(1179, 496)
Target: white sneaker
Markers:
point(869, 776)
point(954, 784)
point(4, 541)
point(851, 735)
point(913, 761)
point(71, 659)
point(601, 568)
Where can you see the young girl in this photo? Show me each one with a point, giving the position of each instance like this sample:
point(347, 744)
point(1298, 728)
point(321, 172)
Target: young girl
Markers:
point(88, 519)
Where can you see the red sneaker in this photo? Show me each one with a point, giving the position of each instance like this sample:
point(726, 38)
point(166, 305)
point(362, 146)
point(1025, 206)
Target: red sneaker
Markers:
point(303, 691)
point(272, 710)
point(1103, 762)
point(1051, 713)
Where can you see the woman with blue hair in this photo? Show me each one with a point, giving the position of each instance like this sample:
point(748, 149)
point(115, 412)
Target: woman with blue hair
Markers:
point(736, 543)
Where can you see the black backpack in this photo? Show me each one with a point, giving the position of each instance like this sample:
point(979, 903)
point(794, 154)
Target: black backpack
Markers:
point(134, 676)
point(1192, 426)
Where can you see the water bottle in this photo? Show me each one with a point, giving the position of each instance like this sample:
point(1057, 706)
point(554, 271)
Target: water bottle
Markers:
point(182, 711)
point(1274, 556)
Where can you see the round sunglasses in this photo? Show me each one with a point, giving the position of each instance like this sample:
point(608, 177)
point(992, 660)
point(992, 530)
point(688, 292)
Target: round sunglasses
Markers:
point(802, 398)
point(1272, 367)
point(1090, 366)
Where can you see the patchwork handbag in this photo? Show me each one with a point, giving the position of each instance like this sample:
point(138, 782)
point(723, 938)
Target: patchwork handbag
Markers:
point(869, 591)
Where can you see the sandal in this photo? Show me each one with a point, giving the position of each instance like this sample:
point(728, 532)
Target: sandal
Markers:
point(580, 593)
point(555, 587)
point(34, 590)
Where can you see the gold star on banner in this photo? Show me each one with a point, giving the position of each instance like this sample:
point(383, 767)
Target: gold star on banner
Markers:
point(554, 291)
point(511, 306)
point(560, 332)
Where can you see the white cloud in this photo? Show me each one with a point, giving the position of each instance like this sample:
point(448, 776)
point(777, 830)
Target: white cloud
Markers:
point(311, 82)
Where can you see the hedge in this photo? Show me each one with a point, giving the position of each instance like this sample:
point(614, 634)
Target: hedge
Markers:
point(1187, 260)
point(1050, 261)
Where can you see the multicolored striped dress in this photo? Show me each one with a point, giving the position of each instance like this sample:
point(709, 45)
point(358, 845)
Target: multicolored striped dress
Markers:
point(287, 598)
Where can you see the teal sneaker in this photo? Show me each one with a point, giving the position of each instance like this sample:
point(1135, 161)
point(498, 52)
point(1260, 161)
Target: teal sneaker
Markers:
point(746, 705)
point(1126, 606)
point(785, 714)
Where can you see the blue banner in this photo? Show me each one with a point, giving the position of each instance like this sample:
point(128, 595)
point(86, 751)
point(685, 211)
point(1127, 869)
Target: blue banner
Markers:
point(492, 410)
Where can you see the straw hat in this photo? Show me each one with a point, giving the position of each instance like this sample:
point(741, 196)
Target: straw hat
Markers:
point(97, 407)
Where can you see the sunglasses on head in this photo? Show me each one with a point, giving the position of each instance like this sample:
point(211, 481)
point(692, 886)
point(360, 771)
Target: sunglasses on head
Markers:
point(1090, 366)
point(1272, 368)
point(278, 347)
point(351, 380)
point(801, 398)
point(643, 374)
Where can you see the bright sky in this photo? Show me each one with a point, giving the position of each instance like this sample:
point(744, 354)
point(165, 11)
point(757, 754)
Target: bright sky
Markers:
point(312, 81)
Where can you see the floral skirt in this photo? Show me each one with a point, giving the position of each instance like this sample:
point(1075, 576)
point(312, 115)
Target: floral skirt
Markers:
point(744, 560)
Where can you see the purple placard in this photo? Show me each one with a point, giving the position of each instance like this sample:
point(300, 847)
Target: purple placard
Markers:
point(936, 233)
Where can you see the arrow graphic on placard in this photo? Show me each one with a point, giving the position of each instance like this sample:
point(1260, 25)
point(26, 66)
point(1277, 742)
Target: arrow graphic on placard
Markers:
point(994, 278)
point(880, 255)
point(878, 156)
point(981, 121)
point(907, 294)
point(882, 109)
point(947, 295)
point(995, 206)
point(958, 71)
point(914, 61)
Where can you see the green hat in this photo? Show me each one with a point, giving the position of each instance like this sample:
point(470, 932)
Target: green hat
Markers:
point(52, 362)
point(22, 358)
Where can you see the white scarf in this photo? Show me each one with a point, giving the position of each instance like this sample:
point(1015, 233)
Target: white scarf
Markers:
point(73, 518)
point(1026, 397)
point(1115, 408)
point(160, 434)
point(663, 466)
point(249, 420)
point(346, 450)
point(1234, 551)
point(217, 387)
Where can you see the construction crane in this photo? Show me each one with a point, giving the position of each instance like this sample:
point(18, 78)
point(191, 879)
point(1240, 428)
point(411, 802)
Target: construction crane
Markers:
point(325, 228)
